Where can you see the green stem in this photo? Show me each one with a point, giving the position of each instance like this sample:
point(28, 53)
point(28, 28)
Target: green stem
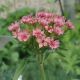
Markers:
point(42, 72)
point(41, 66)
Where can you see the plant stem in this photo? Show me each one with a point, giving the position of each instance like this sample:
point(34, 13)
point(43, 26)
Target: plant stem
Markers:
point(41, 66)
point(42, 72)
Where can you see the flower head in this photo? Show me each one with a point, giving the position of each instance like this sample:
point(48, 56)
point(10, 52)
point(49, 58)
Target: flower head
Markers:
point(59, 20)
point(58, 30)
point(14, 27)
point(53, 44)
point(44, 14)
point(42, 42)
point(23, 36)
point(38, 33)
point(43, 21)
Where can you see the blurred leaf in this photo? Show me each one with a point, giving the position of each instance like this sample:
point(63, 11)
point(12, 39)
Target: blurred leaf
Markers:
point(14, 56)
point(19, 70)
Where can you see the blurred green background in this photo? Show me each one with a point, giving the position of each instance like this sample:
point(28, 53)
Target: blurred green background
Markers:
point(64, 64)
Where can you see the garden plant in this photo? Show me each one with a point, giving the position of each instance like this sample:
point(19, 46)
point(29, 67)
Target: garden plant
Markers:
point(39, 35)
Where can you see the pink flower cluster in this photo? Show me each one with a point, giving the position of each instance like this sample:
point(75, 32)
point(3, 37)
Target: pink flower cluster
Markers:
point(21, 35)
point(47, 22)
point(43, 40)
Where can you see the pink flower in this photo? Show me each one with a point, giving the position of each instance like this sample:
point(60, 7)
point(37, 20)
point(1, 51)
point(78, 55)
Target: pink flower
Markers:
point(28, 20)
point(69, 24)
point(44, 18)
point(38, 33)
point(42, 42)
point(23, 35)
point(44, 14)
point(59, 20)
point(58, 30)
point(49, 29)
point(54, 44)
point(14, 27)
point(43, 21)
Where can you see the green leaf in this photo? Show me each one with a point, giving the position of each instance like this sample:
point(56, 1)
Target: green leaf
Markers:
point(15, 56)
